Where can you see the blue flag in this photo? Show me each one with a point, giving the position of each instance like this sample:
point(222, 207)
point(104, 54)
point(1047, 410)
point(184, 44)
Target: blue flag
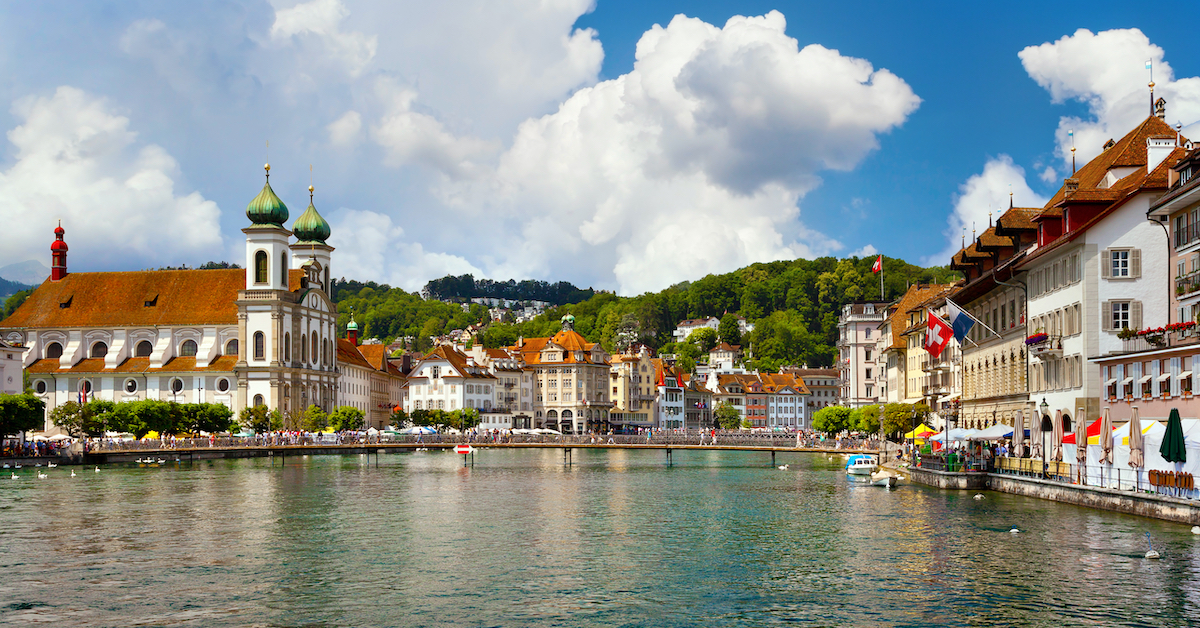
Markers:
point(959, 321)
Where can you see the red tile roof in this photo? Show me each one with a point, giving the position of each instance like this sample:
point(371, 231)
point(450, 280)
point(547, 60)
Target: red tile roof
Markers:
point(222, 364)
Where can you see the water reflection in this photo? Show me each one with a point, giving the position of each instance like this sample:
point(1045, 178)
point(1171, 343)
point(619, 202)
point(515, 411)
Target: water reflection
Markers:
point(528, 538)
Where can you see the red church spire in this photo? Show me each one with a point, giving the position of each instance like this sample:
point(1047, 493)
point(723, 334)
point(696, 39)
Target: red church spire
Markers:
point(58, 255)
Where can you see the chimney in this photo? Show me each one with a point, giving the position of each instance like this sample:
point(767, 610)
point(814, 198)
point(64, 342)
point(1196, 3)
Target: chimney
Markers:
point(58, 255)
point(1157, 149)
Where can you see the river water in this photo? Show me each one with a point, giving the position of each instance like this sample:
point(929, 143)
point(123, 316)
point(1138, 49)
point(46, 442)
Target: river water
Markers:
point(617, 538)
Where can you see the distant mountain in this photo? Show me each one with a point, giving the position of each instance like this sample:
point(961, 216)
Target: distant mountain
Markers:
point(30, 272)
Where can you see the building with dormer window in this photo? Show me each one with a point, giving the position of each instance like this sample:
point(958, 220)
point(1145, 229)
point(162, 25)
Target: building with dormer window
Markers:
point(570, 380)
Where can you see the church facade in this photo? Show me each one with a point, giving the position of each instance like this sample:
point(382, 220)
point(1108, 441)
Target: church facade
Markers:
point(262, 335)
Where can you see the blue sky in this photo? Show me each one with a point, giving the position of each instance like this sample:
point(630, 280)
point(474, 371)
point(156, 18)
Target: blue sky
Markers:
point(533, 140)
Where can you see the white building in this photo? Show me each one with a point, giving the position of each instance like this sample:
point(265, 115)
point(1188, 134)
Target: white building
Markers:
point(1099, 266)
point(12, 369)
point(448, 380)
point(668, 402)
point(858, 354)
point(260, 336)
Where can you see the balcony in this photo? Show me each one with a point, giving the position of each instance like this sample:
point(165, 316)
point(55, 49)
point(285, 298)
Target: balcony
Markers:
point(941, 365)
point(935, 390)
point(1186, 285)
point(1045, 346)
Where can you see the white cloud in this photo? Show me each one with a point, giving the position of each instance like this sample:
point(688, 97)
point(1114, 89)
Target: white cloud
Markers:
point(78, 161)
point(373, 246)
point(980, 197)
point(1107, 71)
point(410, 137)
point(322, 20)
point(866, 251)
point(345, 131)
point(692, 163)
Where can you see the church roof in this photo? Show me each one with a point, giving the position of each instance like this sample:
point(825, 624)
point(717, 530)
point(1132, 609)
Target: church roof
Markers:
point(134, 299)
point(310, 227)
point(133, 366)
point(266, 209)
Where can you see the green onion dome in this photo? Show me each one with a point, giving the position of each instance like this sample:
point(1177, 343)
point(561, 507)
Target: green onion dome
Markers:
point(310, 227)
point(351, 324)
point(266, 209)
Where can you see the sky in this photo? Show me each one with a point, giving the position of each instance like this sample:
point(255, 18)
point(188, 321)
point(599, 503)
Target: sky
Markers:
point(624, 146)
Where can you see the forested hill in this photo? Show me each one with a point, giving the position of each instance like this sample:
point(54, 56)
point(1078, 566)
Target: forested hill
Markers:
point(794, 305)
point(467, 287)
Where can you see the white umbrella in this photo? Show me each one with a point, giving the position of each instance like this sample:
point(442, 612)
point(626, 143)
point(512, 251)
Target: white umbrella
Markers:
point(1081, 443)
point(1056, 451)
point(372, 431)
point(1106, 441)
point(40, 437)
point(60, 437)
point(1137, 457)
point(1035, 433)
point(1018, 437)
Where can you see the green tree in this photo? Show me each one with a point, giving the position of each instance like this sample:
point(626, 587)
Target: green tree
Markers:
point(704, 339)
point(831, 419)
point(315, 419)
point(868, 420)
point(21, 413)
point(275, 420)
point(727, 416)
point(463, 419)
point(346, 418)
point(255, 419)
point(209, 417)
point(399, 417)
point(14, 301)
point(729, 331)
point(70, 417)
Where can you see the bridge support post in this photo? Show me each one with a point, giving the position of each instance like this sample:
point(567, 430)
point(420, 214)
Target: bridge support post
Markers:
point(568, 456)
point(670, 462)
point(772, 457)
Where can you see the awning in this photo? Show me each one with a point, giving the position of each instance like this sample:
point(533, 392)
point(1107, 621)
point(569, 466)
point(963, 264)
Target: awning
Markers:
point(1164, 377)
point(1127, 380)
point(1144, 379)
point(1110, 382)
point(1185, 375)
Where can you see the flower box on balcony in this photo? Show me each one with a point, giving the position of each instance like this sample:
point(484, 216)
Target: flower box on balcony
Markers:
point(1048, 347)
point(1037, 338)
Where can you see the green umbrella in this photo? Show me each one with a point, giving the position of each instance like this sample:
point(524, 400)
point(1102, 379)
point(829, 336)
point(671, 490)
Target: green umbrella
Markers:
point(1172, 449)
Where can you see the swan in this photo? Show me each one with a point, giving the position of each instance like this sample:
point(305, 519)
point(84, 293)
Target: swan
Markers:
point(1195, 529)
point(14, 476)
point(42, 476)
point(978, 496)
point(161, 461)
point(97, 469)
point(51, 465)
point(72, 472)
point(783, 467)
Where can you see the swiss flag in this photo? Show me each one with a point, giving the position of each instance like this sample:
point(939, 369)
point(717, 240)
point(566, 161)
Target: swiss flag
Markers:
point(877, 267)
point(938, 335)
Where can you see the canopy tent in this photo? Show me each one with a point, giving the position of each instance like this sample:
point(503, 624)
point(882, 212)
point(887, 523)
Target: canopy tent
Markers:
point(956, 434)
point(921, 431)
point(999, 431)
point(1093, 434)
point(418, 429)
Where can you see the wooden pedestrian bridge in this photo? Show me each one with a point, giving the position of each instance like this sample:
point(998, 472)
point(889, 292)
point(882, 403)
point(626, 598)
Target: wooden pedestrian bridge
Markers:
point(284, 446)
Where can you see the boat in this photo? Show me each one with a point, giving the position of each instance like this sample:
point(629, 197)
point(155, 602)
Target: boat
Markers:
point(885, 477)
point(861, 464)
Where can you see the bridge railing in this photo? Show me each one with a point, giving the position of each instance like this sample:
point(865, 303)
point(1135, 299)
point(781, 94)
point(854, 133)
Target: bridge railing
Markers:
point(673, 438)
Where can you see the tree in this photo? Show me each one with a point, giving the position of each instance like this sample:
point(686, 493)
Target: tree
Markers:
point(727, 416)
point(463, 419)
point(70, 417)
point(21, 413)
point(628, 332)
point(729, 331)
point(399, 417)
point(255, 419)
point(345, 418)
point(704, 338)
point(831, 419)
point(902, 417)
point(868, 419)
point(315, 419)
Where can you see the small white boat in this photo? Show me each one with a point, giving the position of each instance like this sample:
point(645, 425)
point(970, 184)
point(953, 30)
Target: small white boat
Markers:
point(884, 477)
point(861, 464)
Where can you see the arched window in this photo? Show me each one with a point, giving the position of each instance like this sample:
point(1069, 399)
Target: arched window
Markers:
point(54, 351)
point(260, 267)
point(304, 347)
point(260, 347)
point(552, 414)
point(287, 347)
point(314, 348)
point(231, 347)
point(283, 271)
point(99, 350)
point(258, 400)
point(144, 349)
point(188, 348)
point(566, 414)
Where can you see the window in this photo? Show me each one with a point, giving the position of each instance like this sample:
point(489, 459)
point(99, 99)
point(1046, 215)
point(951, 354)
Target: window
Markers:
point(868, 333)
point(130, 386)
point(40, 387)
point(188, 348)
point(867, 356)
point(258, 400)
point(177, 385)
point(260, 267)
point(287, 347)
point(223, 386)
point(1120, 263)
point(304, 347)
point(314, 348)
point(85, 387)
point(99, 350)
point(260, 350)
point(144, 349)
point(283, 271)
point(868, 376)
point(435, 372)
point(231, 347)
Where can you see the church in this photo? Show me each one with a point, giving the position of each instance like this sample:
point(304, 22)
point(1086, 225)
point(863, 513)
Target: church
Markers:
point(262, 335)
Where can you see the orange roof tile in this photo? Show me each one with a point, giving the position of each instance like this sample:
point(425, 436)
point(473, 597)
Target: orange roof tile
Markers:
point(348, 353)
point(222, 364)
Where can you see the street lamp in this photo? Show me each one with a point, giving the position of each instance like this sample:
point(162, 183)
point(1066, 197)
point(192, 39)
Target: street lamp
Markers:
point(1046, 427)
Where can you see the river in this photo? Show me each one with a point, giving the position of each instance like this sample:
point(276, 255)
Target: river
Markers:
point(616, 538)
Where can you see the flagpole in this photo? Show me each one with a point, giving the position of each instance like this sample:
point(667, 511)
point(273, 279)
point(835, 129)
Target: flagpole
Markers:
point(968, 315)
point(881, 279)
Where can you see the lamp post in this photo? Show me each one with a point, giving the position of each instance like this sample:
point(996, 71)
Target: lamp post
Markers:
point(1046, 426)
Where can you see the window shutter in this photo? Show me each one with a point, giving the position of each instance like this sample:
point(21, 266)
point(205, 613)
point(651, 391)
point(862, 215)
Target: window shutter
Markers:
point(1106, 316)
point(1105, 264)
point(1135, 314)
point(1135, 263)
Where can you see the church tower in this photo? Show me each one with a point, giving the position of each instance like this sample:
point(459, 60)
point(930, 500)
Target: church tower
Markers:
point(267, 252)
point(311, 231)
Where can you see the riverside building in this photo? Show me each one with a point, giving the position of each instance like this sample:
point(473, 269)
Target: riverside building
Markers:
point(263, 335)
